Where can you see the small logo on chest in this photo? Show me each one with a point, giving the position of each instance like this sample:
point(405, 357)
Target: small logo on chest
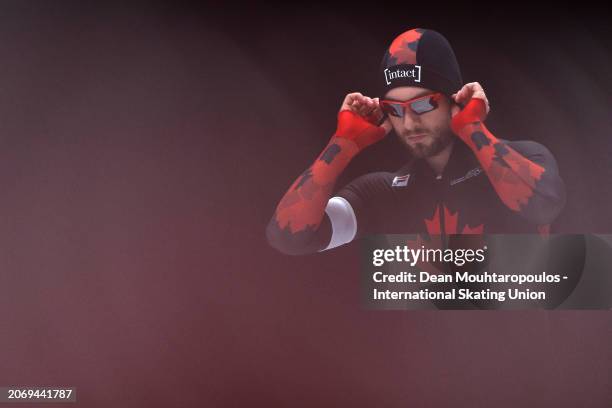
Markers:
point(400, 181)
point(468, 175)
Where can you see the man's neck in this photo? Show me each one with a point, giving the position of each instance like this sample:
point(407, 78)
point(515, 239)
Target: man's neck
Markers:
point(438, 162)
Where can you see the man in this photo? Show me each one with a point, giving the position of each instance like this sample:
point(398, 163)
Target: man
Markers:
point(462, 179)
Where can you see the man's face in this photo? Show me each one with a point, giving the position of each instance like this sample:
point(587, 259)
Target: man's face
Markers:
point(426, 134)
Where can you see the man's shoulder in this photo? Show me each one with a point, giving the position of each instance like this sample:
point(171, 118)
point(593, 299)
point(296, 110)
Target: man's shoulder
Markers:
point(526, 146)
point(535, 152)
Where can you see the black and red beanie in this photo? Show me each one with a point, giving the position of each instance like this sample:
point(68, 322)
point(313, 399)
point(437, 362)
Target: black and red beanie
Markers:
point(422, 58)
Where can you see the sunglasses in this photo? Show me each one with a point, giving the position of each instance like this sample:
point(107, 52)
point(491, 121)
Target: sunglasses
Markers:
point(419, 106)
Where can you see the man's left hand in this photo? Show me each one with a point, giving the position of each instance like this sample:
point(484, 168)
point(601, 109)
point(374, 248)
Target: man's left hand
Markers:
point(469, 91)
point(475, 108)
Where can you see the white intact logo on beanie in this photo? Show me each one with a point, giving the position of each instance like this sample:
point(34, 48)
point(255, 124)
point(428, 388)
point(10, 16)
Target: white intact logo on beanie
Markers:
point(403, 73)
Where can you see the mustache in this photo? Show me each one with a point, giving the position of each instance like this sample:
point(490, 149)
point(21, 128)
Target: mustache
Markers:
point(415, 133)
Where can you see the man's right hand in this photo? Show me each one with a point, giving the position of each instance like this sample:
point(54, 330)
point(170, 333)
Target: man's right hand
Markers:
point(358, 120)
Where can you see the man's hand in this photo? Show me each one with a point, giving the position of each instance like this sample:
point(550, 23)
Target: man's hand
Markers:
point(470, 91)
point(476, 109)
point(359, 118)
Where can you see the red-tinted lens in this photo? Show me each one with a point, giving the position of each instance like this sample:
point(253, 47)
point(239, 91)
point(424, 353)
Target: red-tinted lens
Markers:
point(393, 109)
point(424, 105)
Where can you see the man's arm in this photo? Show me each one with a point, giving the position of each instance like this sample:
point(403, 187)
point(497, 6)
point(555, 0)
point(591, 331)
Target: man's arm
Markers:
point(526, 183)
point(299, 225)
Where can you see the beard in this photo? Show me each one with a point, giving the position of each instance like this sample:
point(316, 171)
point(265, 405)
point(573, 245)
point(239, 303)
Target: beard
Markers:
point(435, 141)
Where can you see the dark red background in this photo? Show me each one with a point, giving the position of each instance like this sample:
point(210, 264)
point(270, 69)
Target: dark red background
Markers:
point(144, 149)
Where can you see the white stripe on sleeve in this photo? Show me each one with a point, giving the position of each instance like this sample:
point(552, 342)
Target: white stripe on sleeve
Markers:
point(343, 221)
